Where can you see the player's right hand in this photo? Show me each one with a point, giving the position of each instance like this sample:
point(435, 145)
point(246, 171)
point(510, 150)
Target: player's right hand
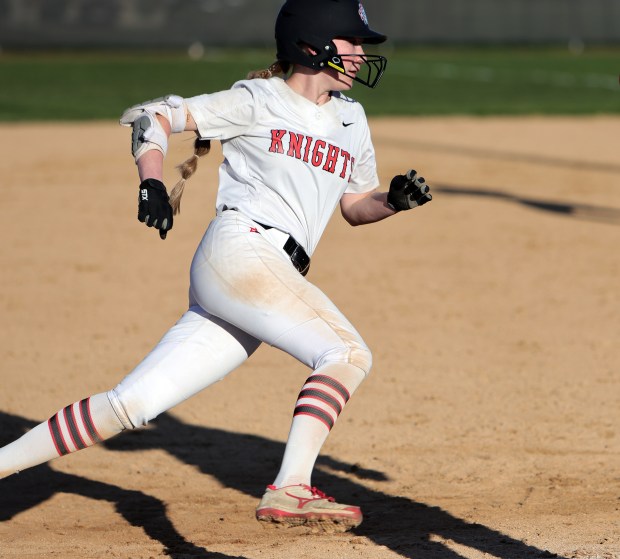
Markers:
point(153, 207)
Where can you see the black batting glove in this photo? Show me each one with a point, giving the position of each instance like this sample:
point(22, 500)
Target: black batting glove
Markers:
point(153, 207)
point(408, 191)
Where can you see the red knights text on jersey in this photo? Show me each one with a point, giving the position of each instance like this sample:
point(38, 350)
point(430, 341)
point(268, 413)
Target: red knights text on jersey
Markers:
point(317, 152)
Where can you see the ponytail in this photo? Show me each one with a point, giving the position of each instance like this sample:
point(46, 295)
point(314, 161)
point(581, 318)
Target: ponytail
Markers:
point(278, 67)
point(187, 169)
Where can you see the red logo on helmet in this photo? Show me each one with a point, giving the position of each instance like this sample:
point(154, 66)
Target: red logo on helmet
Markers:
point(362, 14)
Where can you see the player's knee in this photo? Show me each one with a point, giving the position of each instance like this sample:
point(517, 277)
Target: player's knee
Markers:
point(362, 358)
point(131, 411)
point(356, 354)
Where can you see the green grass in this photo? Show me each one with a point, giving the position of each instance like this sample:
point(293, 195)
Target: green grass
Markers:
point(506, 81)
point(418, 81)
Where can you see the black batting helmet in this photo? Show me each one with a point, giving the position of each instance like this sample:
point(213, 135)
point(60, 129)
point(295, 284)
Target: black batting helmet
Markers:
point(316, 23)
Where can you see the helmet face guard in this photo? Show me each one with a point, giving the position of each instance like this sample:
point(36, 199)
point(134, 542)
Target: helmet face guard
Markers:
point(370, 71)
point(315, 23)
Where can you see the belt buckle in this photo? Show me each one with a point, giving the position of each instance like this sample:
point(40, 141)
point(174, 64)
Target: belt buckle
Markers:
point(298, 256)
point(300, 260)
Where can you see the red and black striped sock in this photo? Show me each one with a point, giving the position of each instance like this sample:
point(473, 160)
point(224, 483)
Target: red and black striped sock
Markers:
point(320, 402)
point(73, 428)
point(323, 398)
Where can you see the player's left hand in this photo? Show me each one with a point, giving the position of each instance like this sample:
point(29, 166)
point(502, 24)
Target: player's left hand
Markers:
point(153, 206)
point(408, 191)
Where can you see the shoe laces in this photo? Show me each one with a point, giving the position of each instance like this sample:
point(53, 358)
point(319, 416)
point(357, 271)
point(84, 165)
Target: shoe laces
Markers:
point(313, 490)
point(319, 493)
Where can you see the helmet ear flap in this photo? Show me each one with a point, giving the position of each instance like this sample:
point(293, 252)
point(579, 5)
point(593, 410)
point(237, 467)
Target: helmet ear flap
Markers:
point(317, 53)
point(331, 59)
point(335, 62)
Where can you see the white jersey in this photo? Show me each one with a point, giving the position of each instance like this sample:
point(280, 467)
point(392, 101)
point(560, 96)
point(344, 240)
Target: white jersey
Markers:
point(287, 161)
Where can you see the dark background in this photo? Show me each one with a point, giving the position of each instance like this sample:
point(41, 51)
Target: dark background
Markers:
point(180, 23)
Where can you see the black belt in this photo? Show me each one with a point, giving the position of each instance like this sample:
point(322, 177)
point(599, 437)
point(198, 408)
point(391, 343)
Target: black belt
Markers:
point(296, 252)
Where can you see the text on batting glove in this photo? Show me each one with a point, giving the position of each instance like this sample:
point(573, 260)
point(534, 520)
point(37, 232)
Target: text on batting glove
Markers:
point(154, 210)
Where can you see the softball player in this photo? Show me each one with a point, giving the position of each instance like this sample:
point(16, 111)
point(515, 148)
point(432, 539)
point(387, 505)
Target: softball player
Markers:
point(294, 149)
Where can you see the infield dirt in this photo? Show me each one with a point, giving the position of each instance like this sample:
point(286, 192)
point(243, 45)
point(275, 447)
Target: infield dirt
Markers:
point(489, 426)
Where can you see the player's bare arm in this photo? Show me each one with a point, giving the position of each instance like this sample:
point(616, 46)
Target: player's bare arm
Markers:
point(154, 208)
point(360, 209)
point(406, 192)
point(150, 164)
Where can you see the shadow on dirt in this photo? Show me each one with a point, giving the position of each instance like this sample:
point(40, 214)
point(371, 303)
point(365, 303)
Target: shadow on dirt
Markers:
point(498, 154)
point(407, 527)
point(585, 212)
point(35, 486)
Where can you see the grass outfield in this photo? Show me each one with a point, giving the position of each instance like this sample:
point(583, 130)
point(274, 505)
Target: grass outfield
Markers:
point(418, 81)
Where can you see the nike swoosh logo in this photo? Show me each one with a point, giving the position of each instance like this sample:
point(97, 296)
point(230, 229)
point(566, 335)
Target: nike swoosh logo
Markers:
point(345, 124)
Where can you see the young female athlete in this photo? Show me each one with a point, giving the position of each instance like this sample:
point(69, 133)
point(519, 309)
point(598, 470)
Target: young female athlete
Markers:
point(294, 149)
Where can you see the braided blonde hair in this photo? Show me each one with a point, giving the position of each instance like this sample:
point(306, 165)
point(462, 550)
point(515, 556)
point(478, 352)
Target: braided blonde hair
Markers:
point(279, 67)
point(202, 147)
point(187, 169)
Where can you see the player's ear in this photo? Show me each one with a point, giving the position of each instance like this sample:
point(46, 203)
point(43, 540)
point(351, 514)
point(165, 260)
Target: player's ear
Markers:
point(310, 50)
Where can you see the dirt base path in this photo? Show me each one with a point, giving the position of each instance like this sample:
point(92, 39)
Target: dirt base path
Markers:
point(489, 426)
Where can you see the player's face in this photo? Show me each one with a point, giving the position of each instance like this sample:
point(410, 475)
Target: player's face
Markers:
point(350, 51)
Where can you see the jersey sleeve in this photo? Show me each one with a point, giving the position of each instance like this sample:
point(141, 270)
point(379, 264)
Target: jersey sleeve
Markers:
point(364, 176)
point(225, 114)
